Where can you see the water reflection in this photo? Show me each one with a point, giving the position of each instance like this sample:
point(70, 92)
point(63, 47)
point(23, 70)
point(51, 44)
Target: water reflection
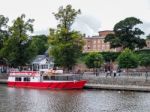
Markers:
point(34, 100)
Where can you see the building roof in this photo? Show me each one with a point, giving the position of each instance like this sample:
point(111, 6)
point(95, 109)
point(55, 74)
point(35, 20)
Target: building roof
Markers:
point(106, 31)
point(102, 35)
point(40, 58)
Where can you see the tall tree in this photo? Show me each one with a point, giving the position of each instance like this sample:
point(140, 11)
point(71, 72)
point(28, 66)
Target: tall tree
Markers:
point(66, 44)
point(66, 16)
point(127, 34)
point(3, 36)
point(15, 48)
point(41, 43)
point(3, 29)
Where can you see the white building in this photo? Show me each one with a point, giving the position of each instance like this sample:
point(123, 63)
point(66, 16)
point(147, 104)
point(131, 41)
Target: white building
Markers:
point(42, 63)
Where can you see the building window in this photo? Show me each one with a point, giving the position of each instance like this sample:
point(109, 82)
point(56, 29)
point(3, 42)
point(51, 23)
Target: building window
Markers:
point(44, 66)
point(94, 41)
point(99, 46)
point(46, 78)
point(99, 41)
point(94, 46)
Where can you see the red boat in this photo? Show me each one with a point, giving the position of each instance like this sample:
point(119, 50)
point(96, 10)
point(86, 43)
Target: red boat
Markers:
point(36, 79)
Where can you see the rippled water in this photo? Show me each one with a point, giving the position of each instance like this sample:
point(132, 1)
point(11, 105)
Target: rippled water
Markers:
point(35, 100)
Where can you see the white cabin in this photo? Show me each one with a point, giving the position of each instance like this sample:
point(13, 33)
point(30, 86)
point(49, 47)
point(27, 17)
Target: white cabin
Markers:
point(25, 76)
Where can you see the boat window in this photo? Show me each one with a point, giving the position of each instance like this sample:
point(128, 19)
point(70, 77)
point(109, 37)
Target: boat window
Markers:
point(18, 79)
point(46, 78)
point(53, 78)
point(64, 78)
point(26, 78)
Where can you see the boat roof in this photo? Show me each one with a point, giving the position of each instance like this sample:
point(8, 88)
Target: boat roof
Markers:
point(24, 73)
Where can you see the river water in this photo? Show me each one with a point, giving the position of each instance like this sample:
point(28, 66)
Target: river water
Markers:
point(36, 100)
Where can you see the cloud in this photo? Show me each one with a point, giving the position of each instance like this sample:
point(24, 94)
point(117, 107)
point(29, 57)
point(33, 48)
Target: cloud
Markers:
point(146, 28)
point(87, 24)
point(41, 32)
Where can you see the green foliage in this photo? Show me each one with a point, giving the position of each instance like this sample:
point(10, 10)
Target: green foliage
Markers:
point(66, 52)
point(144, 60)
point(65, 45)
point(3, 30)
point(127, 59)
point(15, 48)
point(40, 42)
point(110, 56)
point(94, 60)
point(113, 40)
point(143, 51)
point(148, 36)
point(107, 56)
point(66, 16)
point(126, 34)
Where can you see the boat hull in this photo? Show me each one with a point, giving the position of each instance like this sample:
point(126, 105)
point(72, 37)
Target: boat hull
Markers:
point(49, 84)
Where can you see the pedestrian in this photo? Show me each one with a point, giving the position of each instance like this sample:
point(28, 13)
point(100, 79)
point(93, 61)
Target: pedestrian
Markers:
point(118, 71)
point(114, 73)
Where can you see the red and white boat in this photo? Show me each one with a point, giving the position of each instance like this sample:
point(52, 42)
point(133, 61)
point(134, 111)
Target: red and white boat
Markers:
point(36, 79)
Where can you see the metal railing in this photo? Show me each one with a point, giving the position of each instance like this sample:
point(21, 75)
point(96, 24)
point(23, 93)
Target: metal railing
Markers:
point(132, 78)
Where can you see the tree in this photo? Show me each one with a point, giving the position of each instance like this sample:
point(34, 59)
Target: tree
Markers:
point(94, 60)
point(145, 62)
point(110, 56)
point(3, 29)
point(126, 34)
point(127, 59)
point(66, 17)
point(40, 42)
point(3, 35)
point(65, 44)
point(16, 46)
point(148, 37)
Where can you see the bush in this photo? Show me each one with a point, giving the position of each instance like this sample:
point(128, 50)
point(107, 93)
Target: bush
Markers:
point(128, 59)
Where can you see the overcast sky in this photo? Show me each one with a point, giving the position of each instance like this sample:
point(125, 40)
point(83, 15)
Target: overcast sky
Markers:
point(96, 15)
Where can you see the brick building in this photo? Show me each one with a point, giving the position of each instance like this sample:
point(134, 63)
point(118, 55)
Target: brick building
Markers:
point(97, 44)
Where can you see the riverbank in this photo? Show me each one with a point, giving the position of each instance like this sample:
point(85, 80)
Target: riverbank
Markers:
point(3, 78)
point(3, 81)
point(122, 82)
point(109, 87)
point(118, 87)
